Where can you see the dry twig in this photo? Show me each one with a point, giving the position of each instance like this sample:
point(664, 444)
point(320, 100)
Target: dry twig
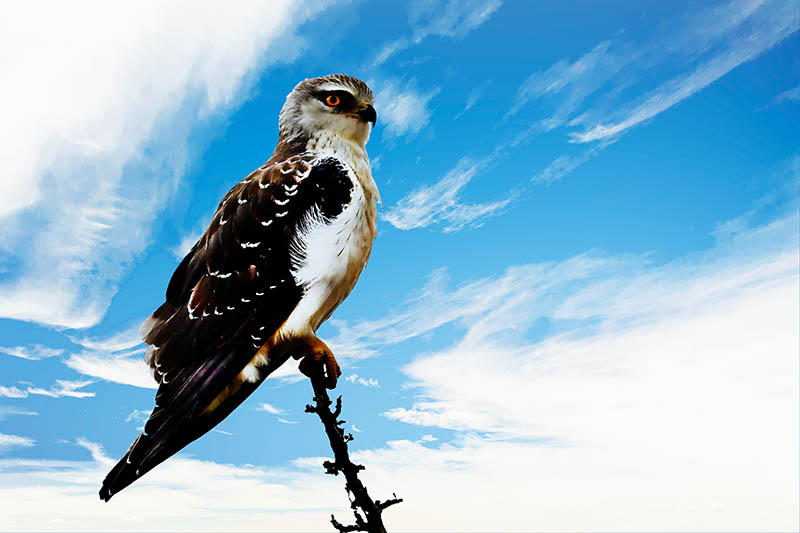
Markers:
point(367, 511)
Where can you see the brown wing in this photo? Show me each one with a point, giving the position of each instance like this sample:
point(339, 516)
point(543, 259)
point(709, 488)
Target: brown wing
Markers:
point(229, 294)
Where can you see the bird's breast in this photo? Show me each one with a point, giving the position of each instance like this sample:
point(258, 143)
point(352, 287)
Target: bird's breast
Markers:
point(334, 252)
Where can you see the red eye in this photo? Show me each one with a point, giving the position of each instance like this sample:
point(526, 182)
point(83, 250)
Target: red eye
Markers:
point(333, 100)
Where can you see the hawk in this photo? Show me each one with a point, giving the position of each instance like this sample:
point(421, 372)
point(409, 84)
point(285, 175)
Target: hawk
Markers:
point(285, 247)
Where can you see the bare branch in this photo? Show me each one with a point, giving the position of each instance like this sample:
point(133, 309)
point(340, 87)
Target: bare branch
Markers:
point(367, 512)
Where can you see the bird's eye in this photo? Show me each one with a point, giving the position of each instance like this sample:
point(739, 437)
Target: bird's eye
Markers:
point(333, 100)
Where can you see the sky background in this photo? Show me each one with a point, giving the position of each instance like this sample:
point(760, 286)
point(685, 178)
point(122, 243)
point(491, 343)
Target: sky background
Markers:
point(580, 313)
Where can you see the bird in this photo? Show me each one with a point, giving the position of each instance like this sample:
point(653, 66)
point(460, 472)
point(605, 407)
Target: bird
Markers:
point(284, 248)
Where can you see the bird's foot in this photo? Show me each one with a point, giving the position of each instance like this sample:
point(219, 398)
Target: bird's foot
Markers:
point(316, 358)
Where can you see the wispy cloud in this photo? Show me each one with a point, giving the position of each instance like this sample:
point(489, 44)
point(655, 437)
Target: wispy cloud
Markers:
point(185, 245)
point(6, 411)
point(367, 382)
point(138, 416)
point(564, 164)
point(403, 107)
point(474, 95)
point(271, 409)
point(440, 203)
point(90, 165)
point(117, 368)
point(192, 494)
point(14, 441)
point(13, 392)
point(445, 18)
point(64, 388)
point(34, 352)
point(593, 93)
point(124, 339)
point(118, 358)
point(626, 360)
point(789, 95)
point(527, 293)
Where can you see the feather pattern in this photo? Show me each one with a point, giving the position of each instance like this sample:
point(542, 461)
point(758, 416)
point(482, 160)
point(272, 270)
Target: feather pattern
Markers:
point(233, 290)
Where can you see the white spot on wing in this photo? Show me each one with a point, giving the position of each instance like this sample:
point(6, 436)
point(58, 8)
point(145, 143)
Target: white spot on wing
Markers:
point(251, 372)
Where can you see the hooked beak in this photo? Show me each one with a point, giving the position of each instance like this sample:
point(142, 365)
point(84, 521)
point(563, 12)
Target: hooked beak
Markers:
point(368, 115)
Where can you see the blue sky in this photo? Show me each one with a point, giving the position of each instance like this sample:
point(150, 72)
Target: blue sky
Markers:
point(580, 313)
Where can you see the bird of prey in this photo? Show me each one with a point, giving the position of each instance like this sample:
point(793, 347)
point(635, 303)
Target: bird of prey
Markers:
point(285, 247)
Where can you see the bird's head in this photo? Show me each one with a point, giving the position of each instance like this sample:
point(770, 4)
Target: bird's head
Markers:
point(337, 104)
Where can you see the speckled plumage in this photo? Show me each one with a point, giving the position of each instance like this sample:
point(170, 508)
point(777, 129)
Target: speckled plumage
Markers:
point(284, 248)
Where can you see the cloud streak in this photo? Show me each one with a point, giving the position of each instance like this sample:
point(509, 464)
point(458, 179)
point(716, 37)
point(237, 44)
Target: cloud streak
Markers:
point(32, 353)
point(448, 18)
point(91, 165)
point(8, 442)
point(404, 109)
point(592, 92)
point(440, 202)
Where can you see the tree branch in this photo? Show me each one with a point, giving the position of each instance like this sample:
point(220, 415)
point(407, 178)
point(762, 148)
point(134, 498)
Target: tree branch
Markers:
point(367, 512)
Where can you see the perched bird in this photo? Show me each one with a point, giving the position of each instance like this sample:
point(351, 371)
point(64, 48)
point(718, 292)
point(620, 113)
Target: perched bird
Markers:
point(285, 247)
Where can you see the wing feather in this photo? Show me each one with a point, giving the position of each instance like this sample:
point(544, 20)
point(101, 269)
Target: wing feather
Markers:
point(234, 289)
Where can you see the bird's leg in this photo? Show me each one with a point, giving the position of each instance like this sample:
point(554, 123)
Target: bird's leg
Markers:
point(315, 355)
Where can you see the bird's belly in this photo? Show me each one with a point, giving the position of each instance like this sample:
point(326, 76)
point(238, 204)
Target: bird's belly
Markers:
point(335, 255)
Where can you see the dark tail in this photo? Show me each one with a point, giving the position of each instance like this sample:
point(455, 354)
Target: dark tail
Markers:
point(186, 408)
point(123, 474)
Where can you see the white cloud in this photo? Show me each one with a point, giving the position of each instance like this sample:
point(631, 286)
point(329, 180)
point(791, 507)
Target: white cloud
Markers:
point(139, 416)
point(124, 369)
point(367, 382)
point(571, 82)
point(13, 392)
point(270, 409)
point(6, 411)
point(185, 246)
point(448, 18)
point(64, 388)
point(440, 203)
point(124, 339)
point(693, 50)
point(669, 390)
point(791, 95)
point(191, 494)
point(564, 164)
point(118, 358)
point(472, 98)
point(35, 352)
point(746, 38)
point(14, 441)
point(659, 394)
point(102, 97)
point(404, 109)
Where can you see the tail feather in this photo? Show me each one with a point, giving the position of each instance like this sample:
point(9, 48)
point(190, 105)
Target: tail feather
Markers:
point(183, 419)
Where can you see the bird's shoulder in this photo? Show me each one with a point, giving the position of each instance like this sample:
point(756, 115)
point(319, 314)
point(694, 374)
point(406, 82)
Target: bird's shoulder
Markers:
point(258, 217)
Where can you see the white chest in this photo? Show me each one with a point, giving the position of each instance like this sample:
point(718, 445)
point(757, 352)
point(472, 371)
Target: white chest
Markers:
point(330, 257)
